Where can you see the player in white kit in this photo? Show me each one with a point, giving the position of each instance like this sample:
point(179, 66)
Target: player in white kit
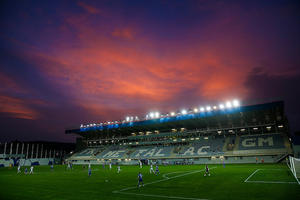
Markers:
point(19, 169)
point(151, 169)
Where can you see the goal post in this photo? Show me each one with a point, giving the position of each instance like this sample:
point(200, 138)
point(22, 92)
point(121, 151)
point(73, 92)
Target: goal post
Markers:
point(294, 165)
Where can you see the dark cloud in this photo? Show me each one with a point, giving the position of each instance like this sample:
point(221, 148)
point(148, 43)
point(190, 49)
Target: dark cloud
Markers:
point(264, 86)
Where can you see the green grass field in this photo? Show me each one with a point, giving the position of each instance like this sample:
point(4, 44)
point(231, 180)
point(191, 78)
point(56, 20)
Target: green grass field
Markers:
point(268, 181)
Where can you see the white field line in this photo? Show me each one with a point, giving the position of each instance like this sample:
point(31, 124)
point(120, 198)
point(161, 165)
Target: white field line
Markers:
point(161, 180)
point(247, 180)
point(271, 182)
point(251, 175)
point(166, 177)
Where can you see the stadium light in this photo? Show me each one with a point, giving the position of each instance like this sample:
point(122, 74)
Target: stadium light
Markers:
point(195, 110)
point(202, 109)
point(157, 114)
point(228, 104)
point(172, 113)
point(221, 106)
point(235, 103)
point(215, 107)
point(127, 119)
point(184, 112)
point(151, 115)
point(208, 108)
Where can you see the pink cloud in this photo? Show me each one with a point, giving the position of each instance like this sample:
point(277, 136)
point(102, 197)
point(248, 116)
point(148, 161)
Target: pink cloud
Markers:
point(17, 108)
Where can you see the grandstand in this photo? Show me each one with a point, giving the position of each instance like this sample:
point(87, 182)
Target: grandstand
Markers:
point(229, 133)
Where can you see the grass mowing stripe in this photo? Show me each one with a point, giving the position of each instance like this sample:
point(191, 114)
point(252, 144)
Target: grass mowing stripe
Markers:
point(193, 172)
point(160, 196)
point(166, 179)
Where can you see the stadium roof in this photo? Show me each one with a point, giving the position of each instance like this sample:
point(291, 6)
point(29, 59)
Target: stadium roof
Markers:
point(230, 117)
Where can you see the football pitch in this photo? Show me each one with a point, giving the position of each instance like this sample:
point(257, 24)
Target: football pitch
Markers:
point(243, 181)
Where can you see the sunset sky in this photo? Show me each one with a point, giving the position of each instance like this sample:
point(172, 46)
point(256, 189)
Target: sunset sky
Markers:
point(64, 63)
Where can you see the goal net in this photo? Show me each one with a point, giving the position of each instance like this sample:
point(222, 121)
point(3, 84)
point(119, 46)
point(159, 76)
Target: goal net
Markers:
point(294, 165)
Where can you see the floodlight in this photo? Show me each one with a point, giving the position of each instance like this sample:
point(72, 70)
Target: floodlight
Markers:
point(215, 107)
point(195, 110)
point(228, 104)
point(172, 113)
point(151, 114)
point(202, 109)
point(157, 114)
point(127, 119)
point(184, 112)
point(221, 106)
point(208, 108)
point(236, 103)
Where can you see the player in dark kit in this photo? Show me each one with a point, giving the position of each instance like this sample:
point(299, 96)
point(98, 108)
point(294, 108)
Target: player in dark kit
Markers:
point(157, 170)
point(140, 180)
point(206, 171)
point(89, 171)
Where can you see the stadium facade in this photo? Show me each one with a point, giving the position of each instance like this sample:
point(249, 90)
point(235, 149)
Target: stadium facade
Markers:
point(228, 134)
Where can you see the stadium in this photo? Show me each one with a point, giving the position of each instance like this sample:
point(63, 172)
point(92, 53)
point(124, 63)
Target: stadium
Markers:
point(245, 147)
point(148, 100)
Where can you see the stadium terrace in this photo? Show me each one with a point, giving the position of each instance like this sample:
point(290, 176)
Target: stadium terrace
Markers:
point(229, 133)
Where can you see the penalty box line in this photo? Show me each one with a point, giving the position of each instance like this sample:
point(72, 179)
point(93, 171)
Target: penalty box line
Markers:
point(247, 179)
point(161, 180)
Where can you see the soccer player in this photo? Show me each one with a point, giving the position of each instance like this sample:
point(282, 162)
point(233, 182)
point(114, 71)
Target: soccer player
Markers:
point(31, 170)
point(157, 170)
point(141, 164)
point(119, 169)
point(25, 171)
point(151, 169)
point(140, 180)
point(109, 166)
point(19, 169)
point(51, 167)
point(206, 171)
point(89, 165)
point(90, 171)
